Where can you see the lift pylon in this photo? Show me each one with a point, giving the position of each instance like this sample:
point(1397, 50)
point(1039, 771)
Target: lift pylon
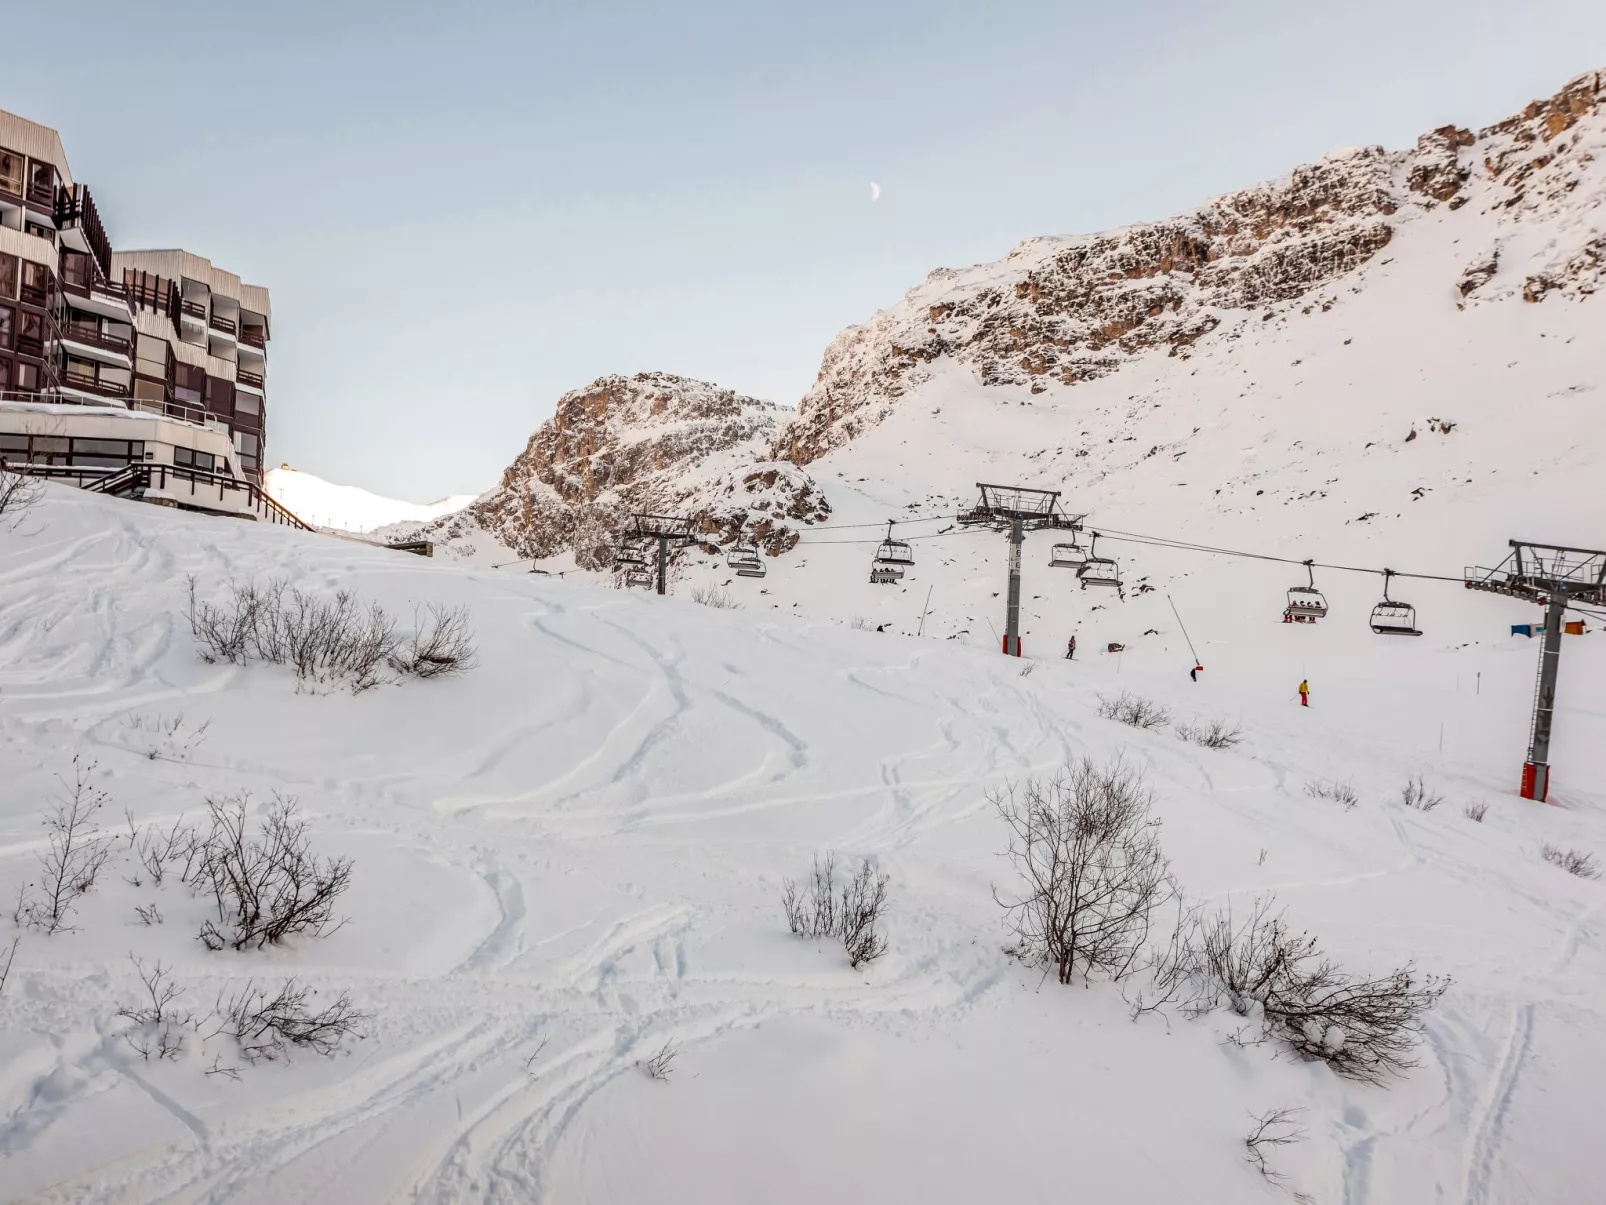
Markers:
point(1017, 509)
point(1554, 577)
point(667, 530)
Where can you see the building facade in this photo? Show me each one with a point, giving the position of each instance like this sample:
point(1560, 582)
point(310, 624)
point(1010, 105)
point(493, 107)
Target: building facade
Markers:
point(162, 335)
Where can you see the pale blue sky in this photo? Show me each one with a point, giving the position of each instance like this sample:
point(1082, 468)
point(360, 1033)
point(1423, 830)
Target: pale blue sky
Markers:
point(464, 211)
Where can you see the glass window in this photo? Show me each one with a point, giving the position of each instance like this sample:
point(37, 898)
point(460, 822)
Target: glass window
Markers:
point(245, 402)
point(5, 374)
point(246, 443)
point(75, 269)
point(149, 391)
point(8, 326)
point(8, 277)
point(150, 356)
point(41, 178)
point(13, 445)
point(203, 460)
point(183, 456)
point(10, 172)
point(27, 377)
point(30, 332)
point(50, 443)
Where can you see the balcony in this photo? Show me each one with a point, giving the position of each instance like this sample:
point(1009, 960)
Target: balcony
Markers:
point(79, 223)
point(225, 325)
point(93, 384)
point(29, 345)
point(253, 336)
point(33, 294)
point(251, 380)
point(192, 309)
point(92, 337)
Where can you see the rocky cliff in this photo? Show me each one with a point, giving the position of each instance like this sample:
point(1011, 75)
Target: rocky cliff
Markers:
point(652, 442)
point(1074, 309)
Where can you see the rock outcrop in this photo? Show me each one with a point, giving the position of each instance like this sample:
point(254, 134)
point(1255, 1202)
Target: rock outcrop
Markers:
point(1064, 310)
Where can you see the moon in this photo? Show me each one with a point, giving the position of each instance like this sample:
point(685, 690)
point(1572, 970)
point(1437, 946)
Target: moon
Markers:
point(875, 191)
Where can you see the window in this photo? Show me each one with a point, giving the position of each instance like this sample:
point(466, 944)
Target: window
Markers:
point(8, 326)
point(245, 443)
point(35, 282)
point(5, 374)
point(149, 395)
point(31, 333)
point(219, 396)
point(188, 456)
point(27, 377)
point(10, 172)
point(8, 277)
point(150, 356)
point(13, 447)
point(41, 181)
point(75, 269)
point(245, 402)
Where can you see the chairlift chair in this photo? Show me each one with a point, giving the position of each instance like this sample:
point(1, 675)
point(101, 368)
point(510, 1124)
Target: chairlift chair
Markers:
point(639, 575)
point(1306, 604)
point(896, 553)
point(1067, 556)
point(1098, 570)
point(629, 554)
point(1393, 618)
point(745, 559)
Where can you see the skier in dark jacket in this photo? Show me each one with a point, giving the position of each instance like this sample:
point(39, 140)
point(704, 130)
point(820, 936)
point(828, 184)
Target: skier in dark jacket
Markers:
point(1070, 650)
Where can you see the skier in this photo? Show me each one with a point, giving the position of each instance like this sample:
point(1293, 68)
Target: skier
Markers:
point(1304, 693)
point(1194, 672)
point(1070, 650)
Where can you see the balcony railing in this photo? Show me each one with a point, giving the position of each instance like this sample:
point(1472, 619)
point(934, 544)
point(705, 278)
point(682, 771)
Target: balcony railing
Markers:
point(93, 336)
point(28, 345)
point(75, 208)
point(33, 294)
point(89, 383)
point(253, 336)
point(197, 488)
point(227, 325)
point(195, 309)
point(42, 192)
point(246, 377)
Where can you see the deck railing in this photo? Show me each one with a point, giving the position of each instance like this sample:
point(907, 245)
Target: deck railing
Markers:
point(195, 487)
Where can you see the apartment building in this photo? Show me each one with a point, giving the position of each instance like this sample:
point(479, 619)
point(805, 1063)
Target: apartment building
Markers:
point(117, 361)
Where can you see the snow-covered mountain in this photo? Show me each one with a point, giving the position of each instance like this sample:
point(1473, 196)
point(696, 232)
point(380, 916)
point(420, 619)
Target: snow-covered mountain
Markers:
point(1375, 357)
point(346, 507)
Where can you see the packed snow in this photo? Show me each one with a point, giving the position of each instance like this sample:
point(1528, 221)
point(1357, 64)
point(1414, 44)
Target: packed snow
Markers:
point(347, 507)
point(574, 854)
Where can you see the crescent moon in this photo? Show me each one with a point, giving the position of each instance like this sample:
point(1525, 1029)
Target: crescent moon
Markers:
point(875, 191)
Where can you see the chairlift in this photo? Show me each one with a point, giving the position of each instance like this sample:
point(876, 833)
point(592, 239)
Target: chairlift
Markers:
point(894, 552)
point(745, 559)
point(1305, 603)
point(1067, 556)
point(1098, 570)
point(629, 554)
point(1393, 618)
point(639, 575)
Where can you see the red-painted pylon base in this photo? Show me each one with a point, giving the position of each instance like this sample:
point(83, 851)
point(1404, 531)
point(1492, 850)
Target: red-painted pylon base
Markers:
point(1535, 781)
point(1008, 652)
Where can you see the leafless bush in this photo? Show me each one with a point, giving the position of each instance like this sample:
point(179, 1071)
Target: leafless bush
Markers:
point(850, 913)
point(661, 1065)
point(441, 644)
point(266, 1025)
point(18, 494)
point(1475, 812)
point(11, 956)
point(1573, 861)
point(1272, 1129)
point(1338, 792)
point(161, 738)
point(158, 1027)
point(1415, 795)
point(1138, 712)
point(78, 851)
point(1028, 669)
point(1087, 854)
point(1362, 1028)
point(156, 850)
point(713, 596)
point(267, 885)
point(327, 639)
point(860, 624)
point(151, 915)
point(1214, 734)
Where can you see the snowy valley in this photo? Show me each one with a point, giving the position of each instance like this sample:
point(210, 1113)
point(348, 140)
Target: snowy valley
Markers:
point(560, 963)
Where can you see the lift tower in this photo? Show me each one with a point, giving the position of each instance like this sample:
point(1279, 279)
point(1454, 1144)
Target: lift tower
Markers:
point(1017, 510)
point(667, 530)
point(1554, 577)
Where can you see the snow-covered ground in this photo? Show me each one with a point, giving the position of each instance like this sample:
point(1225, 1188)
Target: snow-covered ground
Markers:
point(575, 853)
point(348, 507)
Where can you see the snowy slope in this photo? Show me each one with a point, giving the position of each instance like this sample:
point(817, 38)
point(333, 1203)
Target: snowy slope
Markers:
point(575, 853)
point(347, 507)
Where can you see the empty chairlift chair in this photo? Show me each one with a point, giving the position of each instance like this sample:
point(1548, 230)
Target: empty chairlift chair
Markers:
point(1393, 618)
point(1096, 570)
point(745, 560)
point(1067, 556)
point(892, 557)
point(1305, 603)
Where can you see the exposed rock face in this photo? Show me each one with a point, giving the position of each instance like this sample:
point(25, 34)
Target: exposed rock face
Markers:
point(1074, 309)
point(652, 442)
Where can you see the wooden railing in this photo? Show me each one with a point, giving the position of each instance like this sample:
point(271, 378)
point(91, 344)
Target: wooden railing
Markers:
point(253, 336)
point(95, 337)
point(93, 384)
point(194, 309)
point(247, 377)
point(196, 487)
point(227, 325)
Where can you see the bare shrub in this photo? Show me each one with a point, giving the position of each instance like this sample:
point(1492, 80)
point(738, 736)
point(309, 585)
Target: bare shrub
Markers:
point(1362, 1028)
point(1212, 734)
point(18, 495)
point(156, 850)
point(266, 1025)
point(151, 915)
point(849, 912)
point(11, 957)
point(1086, 851)
point(1574, 861)
point(225, 630)
point(1128, 708)
point(713, 596)
point(1339, 792)
point(78, 852)
point(661, 1065)
point(860, 624)
point(1414, 795)
point(1272, 1129)
point(442, 644)
point(267, 885)
point(158, 1026)
point(1475, 812)
point(1028, 669)
point(165, 739)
